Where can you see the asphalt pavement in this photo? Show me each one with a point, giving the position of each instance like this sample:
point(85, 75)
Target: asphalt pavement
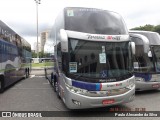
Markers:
point(37, 71)
point(36, 94)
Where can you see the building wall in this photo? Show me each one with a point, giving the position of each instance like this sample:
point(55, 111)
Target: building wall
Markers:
point(43, 39)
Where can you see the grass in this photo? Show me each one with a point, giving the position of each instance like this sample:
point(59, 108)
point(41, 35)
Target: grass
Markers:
point(42, 64)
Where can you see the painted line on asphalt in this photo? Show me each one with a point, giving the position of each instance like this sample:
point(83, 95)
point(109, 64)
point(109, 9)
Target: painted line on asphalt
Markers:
point(41, 76)
point(31, 76)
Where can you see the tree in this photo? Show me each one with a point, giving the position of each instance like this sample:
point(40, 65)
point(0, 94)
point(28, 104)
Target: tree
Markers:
point(147, 27)
point(157, 29)
point(41, 54)
point(34, 55)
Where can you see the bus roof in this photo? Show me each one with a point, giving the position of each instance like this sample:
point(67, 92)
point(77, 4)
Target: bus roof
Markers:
point(153, 37)
point(88, 8)
point(141, 31)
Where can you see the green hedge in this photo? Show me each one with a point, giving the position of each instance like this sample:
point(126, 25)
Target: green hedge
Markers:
point(42, 64)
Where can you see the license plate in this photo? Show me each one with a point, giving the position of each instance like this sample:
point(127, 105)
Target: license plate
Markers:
point(105, 102)
point(156, 86)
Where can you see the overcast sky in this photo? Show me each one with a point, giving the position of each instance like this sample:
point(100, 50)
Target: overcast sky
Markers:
point(20, 15)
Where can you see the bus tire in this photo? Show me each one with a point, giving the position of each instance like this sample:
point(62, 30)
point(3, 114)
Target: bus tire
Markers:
point(51, 81)
point(45, 72)
point(55, 84)
point(1, 84)
point(27, 72)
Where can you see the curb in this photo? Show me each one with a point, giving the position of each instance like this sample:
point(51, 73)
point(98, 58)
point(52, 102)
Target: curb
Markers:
point(37, 68)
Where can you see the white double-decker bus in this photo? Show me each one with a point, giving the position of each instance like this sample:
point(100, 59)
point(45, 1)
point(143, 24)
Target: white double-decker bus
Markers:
point(147, 59)
point(93, 55)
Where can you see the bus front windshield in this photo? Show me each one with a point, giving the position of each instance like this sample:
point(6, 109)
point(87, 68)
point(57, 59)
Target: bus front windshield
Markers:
point(143, 62)
point(99, 59)
point(156, 52)
point(147, 62)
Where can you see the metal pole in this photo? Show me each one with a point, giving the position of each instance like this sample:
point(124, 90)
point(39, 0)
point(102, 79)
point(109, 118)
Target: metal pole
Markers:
point(37, 2)
point(37, 31)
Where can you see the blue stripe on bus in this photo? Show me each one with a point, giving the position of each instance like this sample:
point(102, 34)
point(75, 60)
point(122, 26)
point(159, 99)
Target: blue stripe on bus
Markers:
point(87, 86)
point(8, 43)
point(145, 76)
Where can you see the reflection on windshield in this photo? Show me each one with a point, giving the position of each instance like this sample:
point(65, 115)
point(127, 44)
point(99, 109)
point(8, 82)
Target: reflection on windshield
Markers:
point(99, 59)
point(94, 21)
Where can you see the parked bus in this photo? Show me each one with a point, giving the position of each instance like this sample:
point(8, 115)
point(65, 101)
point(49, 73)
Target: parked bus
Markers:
point(15, 55)
point(147, 60)
point(93, 56)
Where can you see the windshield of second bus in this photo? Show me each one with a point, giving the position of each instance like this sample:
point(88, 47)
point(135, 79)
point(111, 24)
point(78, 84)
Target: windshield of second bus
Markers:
point(156, 50)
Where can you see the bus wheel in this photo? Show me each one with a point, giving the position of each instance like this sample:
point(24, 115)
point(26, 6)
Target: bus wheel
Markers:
point(45, 72)
point(57, 90)
point(25, 73)
point(51, 81)
point(28, 72)
point(55, 84)
point(1, 84)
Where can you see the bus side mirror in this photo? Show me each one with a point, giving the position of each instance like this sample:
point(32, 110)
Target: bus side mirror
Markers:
point(133, 48)
point(64, 40)
point(146, 44)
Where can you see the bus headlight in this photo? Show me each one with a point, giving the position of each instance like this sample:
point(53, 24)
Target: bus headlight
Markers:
point(76, 90)
point(131, 83)
point(139, 79)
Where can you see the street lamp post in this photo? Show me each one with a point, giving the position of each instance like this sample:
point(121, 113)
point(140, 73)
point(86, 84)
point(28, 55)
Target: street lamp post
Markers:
point(37, 3)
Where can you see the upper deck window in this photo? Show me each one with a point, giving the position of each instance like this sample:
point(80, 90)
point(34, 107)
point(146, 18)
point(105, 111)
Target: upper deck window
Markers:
point(94, 21)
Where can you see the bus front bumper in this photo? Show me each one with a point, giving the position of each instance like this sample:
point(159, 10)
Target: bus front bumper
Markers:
point(141, 85)
point(77, 101)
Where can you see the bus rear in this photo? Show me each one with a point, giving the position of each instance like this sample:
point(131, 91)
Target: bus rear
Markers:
point(93, 59)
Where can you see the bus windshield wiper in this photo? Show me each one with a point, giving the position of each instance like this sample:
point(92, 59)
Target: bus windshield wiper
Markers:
point(77, 76)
